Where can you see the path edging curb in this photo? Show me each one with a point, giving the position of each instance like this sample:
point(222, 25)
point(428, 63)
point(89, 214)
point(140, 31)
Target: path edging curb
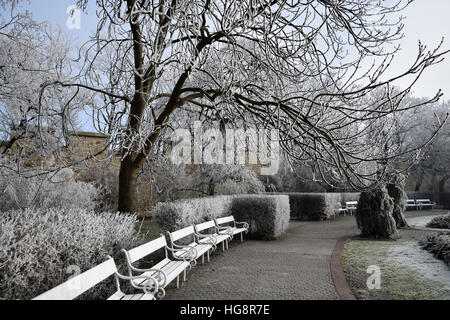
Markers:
point(337, 272)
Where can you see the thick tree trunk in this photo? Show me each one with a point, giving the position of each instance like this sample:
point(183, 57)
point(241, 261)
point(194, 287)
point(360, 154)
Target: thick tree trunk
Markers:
point(374, 215)
point(396, 190)
point(129, 171)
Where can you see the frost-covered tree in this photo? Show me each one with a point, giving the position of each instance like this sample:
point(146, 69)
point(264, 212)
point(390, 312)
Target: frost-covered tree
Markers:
point(32, 55)
point(293, 65)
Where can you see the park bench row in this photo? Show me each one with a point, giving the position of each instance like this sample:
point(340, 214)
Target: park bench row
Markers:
point(151, 282)
point(420, 204)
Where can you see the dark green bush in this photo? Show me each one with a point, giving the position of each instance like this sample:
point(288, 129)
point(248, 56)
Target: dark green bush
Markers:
point(313, 206)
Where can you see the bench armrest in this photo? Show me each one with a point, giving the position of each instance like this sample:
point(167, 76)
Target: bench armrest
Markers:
point(151, 286)
point(225, 230)
point(212, 240)
point(244, 225)
point(190, 257)
point(160, 276)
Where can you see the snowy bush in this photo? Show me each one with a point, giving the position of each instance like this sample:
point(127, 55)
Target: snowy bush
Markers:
point(40, 249)
point(441, 222)
point(313, 206)
point(178, 214)
point(439, 245)
point(267, 216)
point(46, 191)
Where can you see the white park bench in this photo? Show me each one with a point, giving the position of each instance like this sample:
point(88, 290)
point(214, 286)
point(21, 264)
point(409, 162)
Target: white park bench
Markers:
point(79, 284)
point(411, 203)
point(340, 211)
point(195, 249)
point(351, 206)
point(425, 203)
point(224, 224)
point(219, 238)
point(164, 271)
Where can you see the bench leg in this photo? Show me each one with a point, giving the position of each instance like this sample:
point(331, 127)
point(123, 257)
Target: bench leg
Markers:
point(242, 237)
point(207, 253)
point(203, 259)
point(228, 242)
point(178, 281)
point(223, 246)
point(184, 275)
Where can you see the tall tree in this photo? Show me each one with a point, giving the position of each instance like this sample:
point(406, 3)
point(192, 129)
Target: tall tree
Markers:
point(294, 65)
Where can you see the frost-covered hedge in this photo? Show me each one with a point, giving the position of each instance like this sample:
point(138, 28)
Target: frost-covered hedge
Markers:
point(178, 214)
point(268, 215)
point(313, 206)
point(40, 249)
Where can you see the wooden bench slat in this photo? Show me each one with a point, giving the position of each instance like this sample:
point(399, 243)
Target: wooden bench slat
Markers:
point(144, 250)
point(75, 286)
point(205, 225)
point(225, 220)
point(179, 234)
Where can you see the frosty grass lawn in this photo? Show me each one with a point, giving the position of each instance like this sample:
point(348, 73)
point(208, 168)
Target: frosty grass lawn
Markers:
point(407, 271)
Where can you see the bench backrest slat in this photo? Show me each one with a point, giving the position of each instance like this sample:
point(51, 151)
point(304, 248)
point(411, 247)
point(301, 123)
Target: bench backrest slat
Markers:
point(351, 202)
point(147, 248)
point(410, 201)
point(179, 234)
point(205, 225)
point(225, 220)
point(75, 286)
point(423, 200)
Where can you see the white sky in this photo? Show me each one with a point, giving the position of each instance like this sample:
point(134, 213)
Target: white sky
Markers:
point(426, 20)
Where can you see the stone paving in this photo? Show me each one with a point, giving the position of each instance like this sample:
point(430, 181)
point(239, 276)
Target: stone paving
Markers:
point(295, 267)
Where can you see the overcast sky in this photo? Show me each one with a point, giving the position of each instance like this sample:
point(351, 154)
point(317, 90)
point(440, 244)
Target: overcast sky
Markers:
point(426, 20)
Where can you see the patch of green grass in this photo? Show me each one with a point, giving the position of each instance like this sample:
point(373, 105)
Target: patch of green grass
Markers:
point(398, 282)
point(149, 228)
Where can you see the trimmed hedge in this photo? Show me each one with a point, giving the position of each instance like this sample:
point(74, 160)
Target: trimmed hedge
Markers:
point(313, 206)
point(268, 216)
point(178, 214)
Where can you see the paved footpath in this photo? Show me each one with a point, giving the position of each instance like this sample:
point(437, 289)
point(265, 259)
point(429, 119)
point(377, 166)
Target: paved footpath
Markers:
point(297, 266)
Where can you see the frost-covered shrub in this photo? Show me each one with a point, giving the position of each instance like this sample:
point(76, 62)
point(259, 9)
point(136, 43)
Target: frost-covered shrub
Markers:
point(442, 222)
point(439, 245)
point(178, 214)
point(268, 216)
point(46, 191)
point(40, 249)
point(313, 206)
point(374, 214)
